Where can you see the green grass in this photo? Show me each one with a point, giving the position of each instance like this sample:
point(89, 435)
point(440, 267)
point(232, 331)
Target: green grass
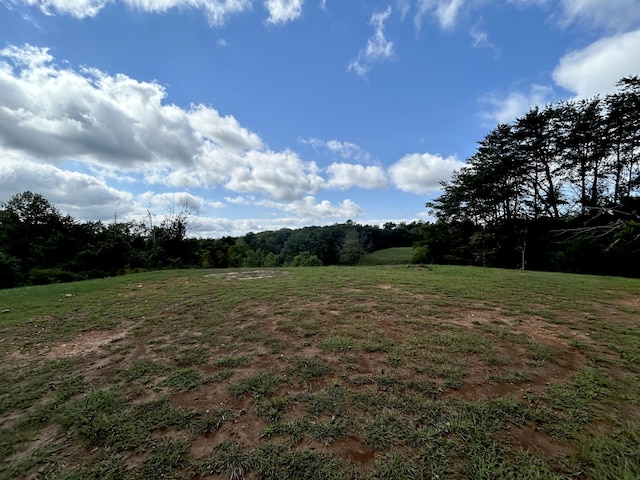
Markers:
point(388, 256)
point(376, 372)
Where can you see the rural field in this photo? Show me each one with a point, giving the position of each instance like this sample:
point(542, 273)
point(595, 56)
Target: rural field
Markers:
point(369, 372)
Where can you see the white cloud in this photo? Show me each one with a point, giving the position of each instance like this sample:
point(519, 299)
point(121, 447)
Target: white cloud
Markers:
point(378, 47)
point(82, 196)
point(612, 15)
point(118, 124)
point(217, 11)
point(309, 208)
point(337, 147)
point(422, 173)
point(240, 200)
point(58, 113)
point(283, 11)
point(173, 201)
point(505, 109)
point(282, 175)
point(224, 132)
point(480, 37)
point(403, 7)
point(445, 11)
point(596, 68)
point(346, 175)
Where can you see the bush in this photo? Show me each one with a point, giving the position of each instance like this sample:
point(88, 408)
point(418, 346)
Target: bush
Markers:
point(10, 275)
point(305, 259)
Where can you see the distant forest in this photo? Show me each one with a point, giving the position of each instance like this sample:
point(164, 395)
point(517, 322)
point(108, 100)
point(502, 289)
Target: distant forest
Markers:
point(555, 190)
point(39, 245)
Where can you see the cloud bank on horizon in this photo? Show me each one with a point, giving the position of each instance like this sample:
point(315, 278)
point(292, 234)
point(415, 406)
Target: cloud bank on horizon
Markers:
point(281, 113)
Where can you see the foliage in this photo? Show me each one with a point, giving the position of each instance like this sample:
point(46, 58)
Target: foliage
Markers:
point(38, 245)
point(555, 190)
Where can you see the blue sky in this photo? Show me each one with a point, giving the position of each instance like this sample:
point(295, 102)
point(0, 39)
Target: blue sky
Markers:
point(263, 114)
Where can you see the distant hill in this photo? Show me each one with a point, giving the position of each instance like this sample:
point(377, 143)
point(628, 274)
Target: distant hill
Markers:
point(388, 256)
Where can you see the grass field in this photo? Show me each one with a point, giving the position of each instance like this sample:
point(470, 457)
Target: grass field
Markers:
point(388, 256)
point(388, 372)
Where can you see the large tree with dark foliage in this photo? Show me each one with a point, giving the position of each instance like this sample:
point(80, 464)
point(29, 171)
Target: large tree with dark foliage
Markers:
point(557, 189)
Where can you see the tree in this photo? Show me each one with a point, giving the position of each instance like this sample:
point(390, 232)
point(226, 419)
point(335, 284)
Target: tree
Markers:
point(351, 249)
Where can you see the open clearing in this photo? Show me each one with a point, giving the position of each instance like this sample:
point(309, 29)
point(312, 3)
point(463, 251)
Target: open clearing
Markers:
point(387, 372)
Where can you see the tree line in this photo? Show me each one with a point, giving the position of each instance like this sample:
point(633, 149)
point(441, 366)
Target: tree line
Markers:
point(40, 245)
point(557, 189)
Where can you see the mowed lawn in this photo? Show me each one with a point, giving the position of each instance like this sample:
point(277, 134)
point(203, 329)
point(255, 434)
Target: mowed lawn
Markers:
point(378, 372)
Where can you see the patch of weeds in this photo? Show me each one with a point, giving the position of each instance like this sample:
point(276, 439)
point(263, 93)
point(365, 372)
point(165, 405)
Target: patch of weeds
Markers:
point(103, 419)
point(490, 460)
point(510, 376)
point(460, 342)
point(106, 466)
point(275, 345)
point(272, 408)
point(579, 345)
point(377, 345)
point(295, 429)
point(191, 356)
point(310, 367)
point(69, 388)
point(143, 368)
point(311, 327)
point(166, 460)
point(386, 430)
point(208, 422)
point(572, 405)
point(229, 459)
point(231, 361)
point(396, 466)
point(23, 388)
point(426, 388)
point(328, 432)
point(261, 383)
point(452, 377)
point(329, 400)
point(539, 353)
point(278, 462)
point(184, 379)
point(495, 359)
point(336, 343)
point(615, 455)
point(221, 376)
point(394, 359)
point(45, 458)
point(387, 383)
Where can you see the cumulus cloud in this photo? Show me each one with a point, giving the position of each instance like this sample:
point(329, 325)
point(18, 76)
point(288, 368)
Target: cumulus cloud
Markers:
point(422, 173)
point(445, 12)
point(309, 208)
point(346, 175)
point(596, 68)
point(64, 188)
point(119, 124)
point(506, 108)
point(173, 201)
point(281, 175)
point(283, 11)
point(378, 47)
point(57, 113)
point(217, 11)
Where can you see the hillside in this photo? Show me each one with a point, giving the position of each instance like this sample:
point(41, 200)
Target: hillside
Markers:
point(382, 372)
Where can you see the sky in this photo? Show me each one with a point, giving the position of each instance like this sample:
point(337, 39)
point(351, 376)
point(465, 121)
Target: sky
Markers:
point(256, 115)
